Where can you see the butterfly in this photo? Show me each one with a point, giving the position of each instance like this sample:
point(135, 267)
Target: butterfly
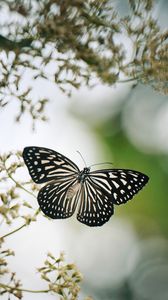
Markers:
point(93, 193)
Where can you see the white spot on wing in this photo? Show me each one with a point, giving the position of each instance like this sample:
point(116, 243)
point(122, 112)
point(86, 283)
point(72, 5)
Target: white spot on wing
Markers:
point(124, 181)
point(115, 196)
point(116, 184)
point(111, 175)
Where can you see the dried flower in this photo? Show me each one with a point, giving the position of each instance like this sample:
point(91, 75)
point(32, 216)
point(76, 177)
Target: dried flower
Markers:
point(62, 279)
point(79, 38)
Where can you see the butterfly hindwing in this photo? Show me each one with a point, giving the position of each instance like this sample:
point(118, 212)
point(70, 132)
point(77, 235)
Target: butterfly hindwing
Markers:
point(45, 164)
point(96, 206)
point(58, 200)
point(121, 184)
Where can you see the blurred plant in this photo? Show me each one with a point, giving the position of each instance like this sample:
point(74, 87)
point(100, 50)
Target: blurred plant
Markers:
point(149, 63)
point(14, 286)
point(79, 39)
point(66, 277)
point(63, 279)
point(11, 202)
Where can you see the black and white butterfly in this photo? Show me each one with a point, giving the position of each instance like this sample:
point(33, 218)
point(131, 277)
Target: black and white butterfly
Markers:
point(93, 193)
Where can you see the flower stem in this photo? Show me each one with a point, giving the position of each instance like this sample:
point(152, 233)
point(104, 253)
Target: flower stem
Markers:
point(12, 288)
point(19, 228)
point(17, 183)
point(13, 231)
point(128, 80)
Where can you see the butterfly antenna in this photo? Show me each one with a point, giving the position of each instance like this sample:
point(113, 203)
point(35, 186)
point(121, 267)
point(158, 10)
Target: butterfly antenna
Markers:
point(82, 158)
point(104, 163)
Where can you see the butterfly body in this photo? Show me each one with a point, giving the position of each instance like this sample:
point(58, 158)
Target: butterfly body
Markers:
point(92, 193)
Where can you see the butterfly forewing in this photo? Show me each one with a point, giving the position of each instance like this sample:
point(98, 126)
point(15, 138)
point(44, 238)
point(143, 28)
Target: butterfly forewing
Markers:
point(121, 184)
point(45, 164)
point(95, 206)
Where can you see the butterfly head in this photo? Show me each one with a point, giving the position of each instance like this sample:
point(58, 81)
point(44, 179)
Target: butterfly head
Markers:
point(83, 174)
point(86, 170)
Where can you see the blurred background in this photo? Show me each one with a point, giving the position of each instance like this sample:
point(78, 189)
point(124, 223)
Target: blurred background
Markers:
point(127, 258)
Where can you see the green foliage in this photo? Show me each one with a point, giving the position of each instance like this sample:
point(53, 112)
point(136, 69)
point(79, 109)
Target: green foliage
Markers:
point(62, 278)
point(80, 40)
point(148, 211)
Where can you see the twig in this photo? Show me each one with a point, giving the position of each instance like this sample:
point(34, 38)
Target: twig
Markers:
point(10, 288)
point(13, 231)
point(19, 228)
point(17, 183)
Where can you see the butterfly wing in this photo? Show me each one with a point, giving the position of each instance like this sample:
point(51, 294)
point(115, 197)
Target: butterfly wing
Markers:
point(45, 164)
point(58, 199)
point(121, 184)
point(96, 206)
point(102, 189)
point(96, 194)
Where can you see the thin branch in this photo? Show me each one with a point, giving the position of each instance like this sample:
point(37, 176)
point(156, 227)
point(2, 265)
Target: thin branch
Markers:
point(14, 45)
point(128, 80)
point(10, 288)
point(13, 231)
point(19, 228)
point(17, 183)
